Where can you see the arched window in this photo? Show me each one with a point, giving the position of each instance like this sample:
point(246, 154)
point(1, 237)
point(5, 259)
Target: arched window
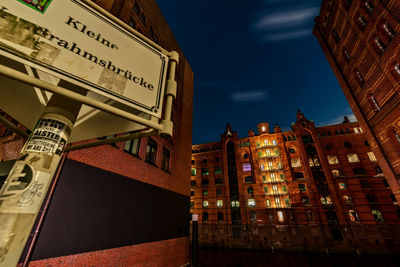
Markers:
point(387, 30)
point(359, 77)
point(378, 45)
point(373, 103)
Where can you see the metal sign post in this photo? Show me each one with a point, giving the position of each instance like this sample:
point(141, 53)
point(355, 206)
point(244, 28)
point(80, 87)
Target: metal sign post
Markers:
point(25, 187)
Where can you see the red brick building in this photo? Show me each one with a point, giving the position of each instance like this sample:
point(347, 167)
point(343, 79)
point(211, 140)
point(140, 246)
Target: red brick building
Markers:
point(125, 204)
point(310, 188)
point(361, 42)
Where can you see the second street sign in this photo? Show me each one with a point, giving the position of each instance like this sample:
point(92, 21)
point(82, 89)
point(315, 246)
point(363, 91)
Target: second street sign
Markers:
point(74, 42)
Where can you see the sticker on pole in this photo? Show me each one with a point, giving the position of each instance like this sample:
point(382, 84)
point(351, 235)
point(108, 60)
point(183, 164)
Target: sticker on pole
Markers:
point(19, 179)
point(49, 136)
point(30, 198)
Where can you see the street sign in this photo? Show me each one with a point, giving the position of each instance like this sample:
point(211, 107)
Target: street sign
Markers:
point(72, 41)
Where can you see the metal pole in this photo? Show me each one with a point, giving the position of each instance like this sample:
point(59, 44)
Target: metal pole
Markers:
point(195, 240)
point(27, 184)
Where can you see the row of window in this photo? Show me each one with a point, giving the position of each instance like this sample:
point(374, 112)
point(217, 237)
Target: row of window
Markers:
point(252, 203)
point(206, 182)
point(332, 159)
point(132, 147)
point(266, 142)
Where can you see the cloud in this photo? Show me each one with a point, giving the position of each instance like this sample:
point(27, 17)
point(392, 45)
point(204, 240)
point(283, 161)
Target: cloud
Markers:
point(290, 22)
point(249, 96)
point(340, 119)
point(287, 35)
point(286, 19)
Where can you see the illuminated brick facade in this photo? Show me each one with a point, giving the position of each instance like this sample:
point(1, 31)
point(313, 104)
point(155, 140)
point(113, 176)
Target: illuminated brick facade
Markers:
point(361, 42)
point(140, 186)
point(309, 188)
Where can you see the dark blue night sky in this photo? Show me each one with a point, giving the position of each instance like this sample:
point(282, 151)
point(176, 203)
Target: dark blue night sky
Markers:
point(254, 61)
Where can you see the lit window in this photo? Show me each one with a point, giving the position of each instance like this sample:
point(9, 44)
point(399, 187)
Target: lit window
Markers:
point(347, 199)
point(342, 186)
point(235, 204)
point(151, 151)
point(356, 130)
point(397, 137)
point(279, 165)
point(280, 216)
point(397, 68)
point(295, 163)
point(251, 202)
point(284, 189)
point(205, 204)
point(354, 216)
point(353, 157)
point(262, 167)
point(332, 159)
point(266, 142)
point(274, 142)
point(287, 203)
point(268, 202)
point(220, 203)
point(377, 215)
point(246, 167)
point(205, 193)
point(275, 189)
point(193, 172)
point(132, 146)
point(314, 162)
point(372, 157)
point(264, 178)
point(277, 202)
point(263, 128)
point(326, 200)
point(205, 171)
point(268, 152)
point(302, 187)
point(165, 159)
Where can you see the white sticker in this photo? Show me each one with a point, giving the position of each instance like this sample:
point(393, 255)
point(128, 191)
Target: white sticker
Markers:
point(49, 136)
point(30, 200)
